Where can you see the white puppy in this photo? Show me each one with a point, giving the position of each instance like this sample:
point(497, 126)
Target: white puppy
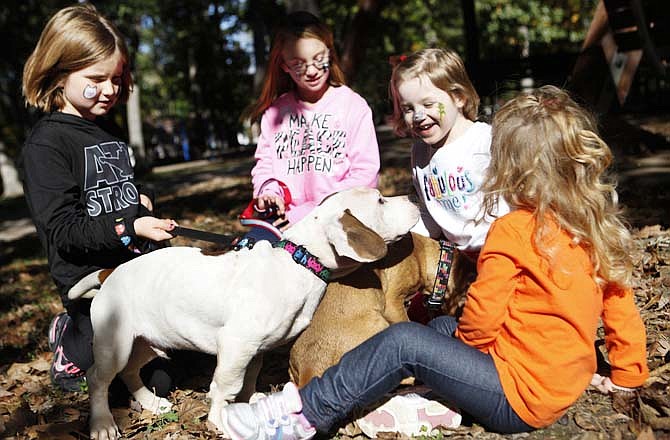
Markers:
point(235, 305)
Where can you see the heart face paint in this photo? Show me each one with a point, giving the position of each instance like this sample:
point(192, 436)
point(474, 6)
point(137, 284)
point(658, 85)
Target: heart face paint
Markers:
point(90, 92)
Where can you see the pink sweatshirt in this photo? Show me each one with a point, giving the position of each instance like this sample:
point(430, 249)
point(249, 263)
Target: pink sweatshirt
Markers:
point(316, 149)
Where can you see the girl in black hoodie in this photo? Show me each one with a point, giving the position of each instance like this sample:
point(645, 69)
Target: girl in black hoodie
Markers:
point(78, 178)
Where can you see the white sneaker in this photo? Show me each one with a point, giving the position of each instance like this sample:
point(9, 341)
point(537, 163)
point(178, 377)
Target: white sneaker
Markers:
point(408, 414)
point(277, 416)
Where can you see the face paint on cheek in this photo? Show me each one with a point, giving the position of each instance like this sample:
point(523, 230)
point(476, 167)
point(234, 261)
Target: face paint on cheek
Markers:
point(90, 91)
point(443, 111)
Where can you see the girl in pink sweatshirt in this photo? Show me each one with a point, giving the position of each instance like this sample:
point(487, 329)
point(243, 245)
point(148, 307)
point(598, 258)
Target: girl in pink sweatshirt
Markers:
point(317, 135)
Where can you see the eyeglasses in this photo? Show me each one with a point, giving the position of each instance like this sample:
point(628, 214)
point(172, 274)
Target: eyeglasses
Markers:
point(322, 62)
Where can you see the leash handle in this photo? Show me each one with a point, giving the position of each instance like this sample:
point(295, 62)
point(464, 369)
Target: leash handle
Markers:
point(196, 234)
point(252, 212)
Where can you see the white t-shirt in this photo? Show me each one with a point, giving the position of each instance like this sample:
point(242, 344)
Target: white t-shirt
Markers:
point(447, 181)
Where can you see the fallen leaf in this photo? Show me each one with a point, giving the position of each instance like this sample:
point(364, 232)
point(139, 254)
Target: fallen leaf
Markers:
point(586, 421)
point(5, 393)
point(646, 434)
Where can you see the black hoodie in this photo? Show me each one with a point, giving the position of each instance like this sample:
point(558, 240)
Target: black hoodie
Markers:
point(78, 182)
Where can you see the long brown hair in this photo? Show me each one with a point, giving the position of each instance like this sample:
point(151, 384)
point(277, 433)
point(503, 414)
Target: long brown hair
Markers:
point(299, 24)
point(73, 39)
point(547, 158)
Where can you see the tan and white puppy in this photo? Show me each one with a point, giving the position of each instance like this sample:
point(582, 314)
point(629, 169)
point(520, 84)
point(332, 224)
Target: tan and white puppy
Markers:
point(235, 305)
point(360, 305)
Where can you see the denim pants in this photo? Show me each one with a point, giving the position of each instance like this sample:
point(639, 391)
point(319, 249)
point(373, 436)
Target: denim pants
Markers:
point(462, 375)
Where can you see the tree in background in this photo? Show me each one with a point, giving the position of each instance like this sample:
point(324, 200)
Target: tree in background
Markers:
point(197, 63)
point(535, 40)
point(21, 22)
point(368, 33)
point(194, 69)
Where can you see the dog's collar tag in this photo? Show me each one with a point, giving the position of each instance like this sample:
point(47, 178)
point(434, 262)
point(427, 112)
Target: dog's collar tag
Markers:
point(436, 297)
point(304, 258)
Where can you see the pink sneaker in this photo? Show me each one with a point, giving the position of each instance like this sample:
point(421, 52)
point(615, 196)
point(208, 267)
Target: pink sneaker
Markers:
point(408, 414)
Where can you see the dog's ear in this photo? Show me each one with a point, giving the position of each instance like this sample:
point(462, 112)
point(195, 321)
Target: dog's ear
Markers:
point(352, 239)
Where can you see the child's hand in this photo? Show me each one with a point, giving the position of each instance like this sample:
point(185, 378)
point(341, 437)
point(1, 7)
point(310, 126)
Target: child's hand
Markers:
point(623, 399)
point(605, 385)
point(270, 201)
point(153, 228)
point(601, 383)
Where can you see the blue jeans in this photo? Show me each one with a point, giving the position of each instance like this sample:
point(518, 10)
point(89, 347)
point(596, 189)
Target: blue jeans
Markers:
point(462, 375)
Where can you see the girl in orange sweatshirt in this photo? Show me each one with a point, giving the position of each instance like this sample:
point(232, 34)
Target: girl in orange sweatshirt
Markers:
point(549, 271)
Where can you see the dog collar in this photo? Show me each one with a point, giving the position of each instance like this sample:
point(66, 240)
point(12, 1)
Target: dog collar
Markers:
point(304, 258)
point(436, 297)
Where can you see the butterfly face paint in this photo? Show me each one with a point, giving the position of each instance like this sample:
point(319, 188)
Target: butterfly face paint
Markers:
point(443, 111)
point(90, 91)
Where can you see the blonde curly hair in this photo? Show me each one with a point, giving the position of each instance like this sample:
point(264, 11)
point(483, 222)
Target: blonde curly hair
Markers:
point(547, 158)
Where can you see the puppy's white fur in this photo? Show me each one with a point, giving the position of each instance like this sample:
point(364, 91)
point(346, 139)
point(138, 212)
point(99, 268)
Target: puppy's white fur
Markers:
point(236, 305)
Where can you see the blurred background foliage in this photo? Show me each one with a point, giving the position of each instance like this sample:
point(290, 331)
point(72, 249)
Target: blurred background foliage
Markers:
point(199, 63)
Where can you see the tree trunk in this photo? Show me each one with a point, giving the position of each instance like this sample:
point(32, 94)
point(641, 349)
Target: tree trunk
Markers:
point(471, 38)
point(134, 116)
point(355, 42)
point(133, 107)
point(260, 31)
point(9, 177)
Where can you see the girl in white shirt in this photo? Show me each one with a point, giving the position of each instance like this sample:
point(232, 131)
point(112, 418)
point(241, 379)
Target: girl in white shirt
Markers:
point(435, 102)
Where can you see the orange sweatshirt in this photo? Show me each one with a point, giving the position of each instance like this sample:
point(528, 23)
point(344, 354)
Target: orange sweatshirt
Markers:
point(539, 323)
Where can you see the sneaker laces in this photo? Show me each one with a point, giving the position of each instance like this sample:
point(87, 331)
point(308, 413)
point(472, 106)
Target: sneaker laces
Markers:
point(273, 410)
point(277, 416)
point(280, 414)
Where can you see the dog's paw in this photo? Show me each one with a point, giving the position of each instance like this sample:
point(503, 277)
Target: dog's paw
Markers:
point(151, 402)
point(104, 428)
point(159, 405)
point(214, 416)
point(214, 420)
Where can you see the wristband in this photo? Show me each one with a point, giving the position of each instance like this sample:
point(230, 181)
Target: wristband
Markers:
point(125, 234)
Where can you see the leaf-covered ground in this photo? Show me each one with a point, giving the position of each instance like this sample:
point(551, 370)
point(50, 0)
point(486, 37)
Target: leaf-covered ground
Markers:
point(209, 196)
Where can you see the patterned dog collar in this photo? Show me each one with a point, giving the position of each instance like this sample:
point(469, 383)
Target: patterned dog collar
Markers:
point(436, 297)
point(304, 258)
